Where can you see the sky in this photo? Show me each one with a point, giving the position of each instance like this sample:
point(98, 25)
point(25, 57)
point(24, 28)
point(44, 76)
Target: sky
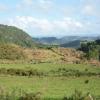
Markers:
point(52, 18)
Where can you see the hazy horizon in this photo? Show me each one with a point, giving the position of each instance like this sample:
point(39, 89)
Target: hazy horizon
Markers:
point(58, 37)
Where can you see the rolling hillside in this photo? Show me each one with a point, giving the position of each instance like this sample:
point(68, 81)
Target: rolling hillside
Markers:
point(15, 44)
point(11, 53)
point(10, 34)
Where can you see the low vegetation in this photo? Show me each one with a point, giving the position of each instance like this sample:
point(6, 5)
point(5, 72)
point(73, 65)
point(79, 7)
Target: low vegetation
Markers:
point(22, 95)
point(11, 52)
point(59, 72)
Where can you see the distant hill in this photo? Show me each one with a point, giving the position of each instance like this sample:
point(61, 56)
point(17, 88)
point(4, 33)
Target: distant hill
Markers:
point(67, 41)
point(11, 34)
point(73, 44)
point(46, 40)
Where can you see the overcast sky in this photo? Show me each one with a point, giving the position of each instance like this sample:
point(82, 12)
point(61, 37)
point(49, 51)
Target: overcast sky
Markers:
point(52, 17)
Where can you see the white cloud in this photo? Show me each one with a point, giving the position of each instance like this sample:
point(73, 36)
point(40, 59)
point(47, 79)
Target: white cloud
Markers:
point(46, 26)
point(30, 22)
point(89, 9)
point(45, 4)
point(27, 2)
point(24, 4)
point(3, 7)
point(35, 5)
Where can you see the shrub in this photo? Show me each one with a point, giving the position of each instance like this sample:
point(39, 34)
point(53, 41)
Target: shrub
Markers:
point(21, 72)
point(86, 69)
point(86, 81)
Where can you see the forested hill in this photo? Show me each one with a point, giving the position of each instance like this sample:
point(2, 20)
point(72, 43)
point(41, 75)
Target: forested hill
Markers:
point(92, 49)
point(11, 34)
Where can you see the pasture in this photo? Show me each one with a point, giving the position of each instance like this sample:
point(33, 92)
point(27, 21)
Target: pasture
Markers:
point(58, 80)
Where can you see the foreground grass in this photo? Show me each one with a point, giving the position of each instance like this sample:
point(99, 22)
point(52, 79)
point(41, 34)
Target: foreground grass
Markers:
point(52, 86)
point(23, 95)
point(56, 87)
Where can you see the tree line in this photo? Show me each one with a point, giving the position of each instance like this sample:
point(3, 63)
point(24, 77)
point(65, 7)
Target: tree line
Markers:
point(91, 49)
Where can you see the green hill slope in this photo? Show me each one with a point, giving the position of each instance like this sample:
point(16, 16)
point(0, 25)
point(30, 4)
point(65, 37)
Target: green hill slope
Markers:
point(10, 34)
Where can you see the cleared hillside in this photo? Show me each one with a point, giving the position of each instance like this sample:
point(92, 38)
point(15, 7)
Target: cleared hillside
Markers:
point(11, 52)
point(14, 52)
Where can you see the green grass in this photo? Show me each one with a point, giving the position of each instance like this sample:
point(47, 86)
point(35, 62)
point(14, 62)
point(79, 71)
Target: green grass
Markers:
point(51, 66)
point(51, 86)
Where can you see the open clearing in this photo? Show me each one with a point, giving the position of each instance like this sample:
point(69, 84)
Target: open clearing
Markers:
point(52, 86)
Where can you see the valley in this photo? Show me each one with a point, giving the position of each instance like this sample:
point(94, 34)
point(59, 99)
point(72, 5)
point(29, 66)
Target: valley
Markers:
point(33, 70)
point(49, 49)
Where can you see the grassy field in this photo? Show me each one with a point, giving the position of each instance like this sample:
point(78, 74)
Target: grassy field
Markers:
point(52, 86)
point(45, 67)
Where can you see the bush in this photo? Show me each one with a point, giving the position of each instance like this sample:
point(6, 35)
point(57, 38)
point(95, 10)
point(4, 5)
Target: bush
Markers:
point(86, 69)
point(86, 81)
point(21, 72)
